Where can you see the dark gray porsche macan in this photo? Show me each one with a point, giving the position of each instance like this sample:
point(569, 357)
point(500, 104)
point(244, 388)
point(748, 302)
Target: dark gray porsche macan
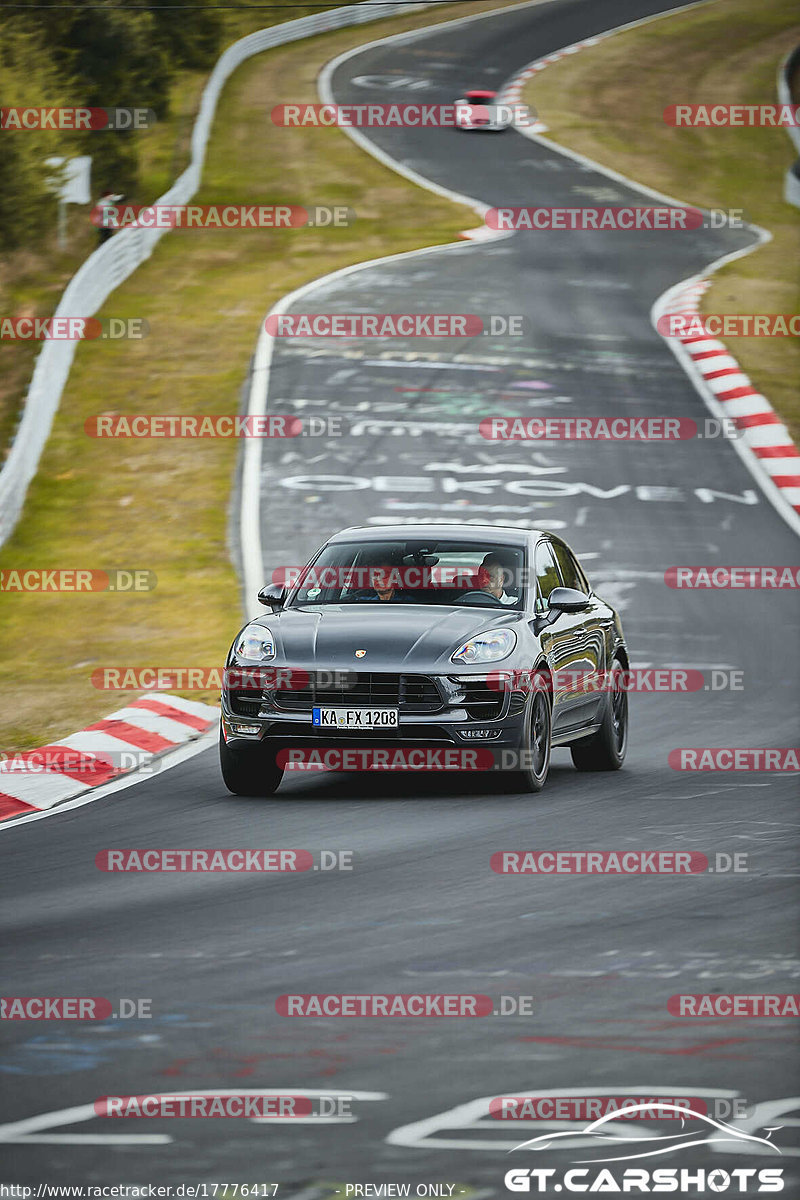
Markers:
point(429, 637)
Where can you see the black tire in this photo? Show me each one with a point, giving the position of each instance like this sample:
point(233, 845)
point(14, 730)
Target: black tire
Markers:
point(606, 749)
point(536, 741)
point(250, 772)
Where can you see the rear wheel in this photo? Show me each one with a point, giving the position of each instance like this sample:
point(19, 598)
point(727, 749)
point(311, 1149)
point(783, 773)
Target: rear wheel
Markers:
point(536, 741)
point(606, 749)
point(251, 771)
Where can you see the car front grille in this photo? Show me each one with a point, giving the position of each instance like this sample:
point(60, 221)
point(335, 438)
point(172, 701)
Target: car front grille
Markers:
point(246, 702)
point(482, 702)
point(408, 693)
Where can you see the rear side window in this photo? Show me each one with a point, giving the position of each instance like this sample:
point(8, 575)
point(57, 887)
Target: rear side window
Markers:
point(547, 576)
point(571, 573)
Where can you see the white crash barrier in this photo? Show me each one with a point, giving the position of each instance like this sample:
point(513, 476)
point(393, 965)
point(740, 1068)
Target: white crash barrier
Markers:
point(119, 257)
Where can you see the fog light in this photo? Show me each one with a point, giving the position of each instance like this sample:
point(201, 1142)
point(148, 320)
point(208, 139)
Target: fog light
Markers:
point(480, 735)
point(235, 728)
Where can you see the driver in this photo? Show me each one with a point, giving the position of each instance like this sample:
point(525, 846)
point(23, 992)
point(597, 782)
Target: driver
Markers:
point(491, 574)
point(383, 590)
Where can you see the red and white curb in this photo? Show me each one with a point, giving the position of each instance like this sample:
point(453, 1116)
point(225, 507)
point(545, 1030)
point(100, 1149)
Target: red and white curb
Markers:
point(139, 733)
point(765, 445)
point(729, 393)
point(512, 92)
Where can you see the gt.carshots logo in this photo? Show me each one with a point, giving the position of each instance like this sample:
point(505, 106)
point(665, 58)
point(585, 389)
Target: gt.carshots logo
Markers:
point(609, 1140)
point(677, 1180)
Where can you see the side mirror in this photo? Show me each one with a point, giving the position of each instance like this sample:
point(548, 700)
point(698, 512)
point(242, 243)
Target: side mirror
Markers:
point(564, 599)
point(274, 595)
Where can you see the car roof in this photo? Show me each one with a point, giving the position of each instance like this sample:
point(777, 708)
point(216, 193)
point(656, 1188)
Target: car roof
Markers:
point(479, 92)
point(499, 534)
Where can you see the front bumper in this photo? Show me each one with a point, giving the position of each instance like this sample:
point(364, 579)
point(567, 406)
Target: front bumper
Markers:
point(455, 723)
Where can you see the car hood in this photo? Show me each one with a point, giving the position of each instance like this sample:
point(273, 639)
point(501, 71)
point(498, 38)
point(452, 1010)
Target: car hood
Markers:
point(395, 637)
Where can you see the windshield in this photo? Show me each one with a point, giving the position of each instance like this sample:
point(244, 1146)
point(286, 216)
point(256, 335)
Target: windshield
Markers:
point(468, 574)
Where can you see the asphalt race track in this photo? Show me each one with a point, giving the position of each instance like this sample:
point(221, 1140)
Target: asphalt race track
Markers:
point(421, 910)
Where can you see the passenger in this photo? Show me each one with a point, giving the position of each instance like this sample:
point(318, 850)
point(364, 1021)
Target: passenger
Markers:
point(383, 588)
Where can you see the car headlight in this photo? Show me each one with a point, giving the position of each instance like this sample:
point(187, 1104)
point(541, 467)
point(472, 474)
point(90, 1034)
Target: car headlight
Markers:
point(256, 642)
point(486, 647)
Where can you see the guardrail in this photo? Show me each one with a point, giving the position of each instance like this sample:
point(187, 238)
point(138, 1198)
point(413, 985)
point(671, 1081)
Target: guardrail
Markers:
point(119, 257)
point(791, 186)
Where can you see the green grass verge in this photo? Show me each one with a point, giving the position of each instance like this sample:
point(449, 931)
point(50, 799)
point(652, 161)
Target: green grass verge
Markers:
point(164, 506)
point(32, 279)
point(607, 102)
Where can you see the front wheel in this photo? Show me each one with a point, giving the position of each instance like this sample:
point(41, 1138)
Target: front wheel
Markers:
point(606, 749)
point(253, 771)
point(536, 743)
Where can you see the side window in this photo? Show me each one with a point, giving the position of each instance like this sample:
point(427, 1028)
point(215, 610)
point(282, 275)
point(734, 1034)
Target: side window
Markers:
point(571, 573)
point(547, 576)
